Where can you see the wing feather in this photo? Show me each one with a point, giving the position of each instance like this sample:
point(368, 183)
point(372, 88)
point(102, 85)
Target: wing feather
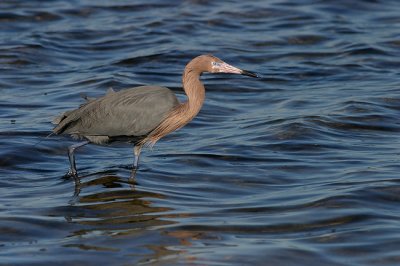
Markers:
point(131, 112)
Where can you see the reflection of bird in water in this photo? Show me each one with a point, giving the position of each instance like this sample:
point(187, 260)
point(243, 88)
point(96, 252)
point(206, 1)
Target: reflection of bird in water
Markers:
point(128, 218)
point(142, 114)
point(117, 206)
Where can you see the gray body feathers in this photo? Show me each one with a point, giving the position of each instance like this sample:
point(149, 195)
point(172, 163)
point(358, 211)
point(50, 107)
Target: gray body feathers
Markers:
point(132, 113)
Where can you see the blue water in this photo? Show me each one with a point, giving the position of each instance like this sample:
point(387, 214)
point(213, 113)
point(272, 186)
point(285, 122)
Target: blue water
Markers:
point(298, 167)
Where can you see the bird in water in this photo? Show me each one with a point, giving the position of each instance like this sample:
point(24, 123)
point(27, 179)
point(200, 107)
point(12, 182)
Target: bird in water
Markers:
point(141, 115)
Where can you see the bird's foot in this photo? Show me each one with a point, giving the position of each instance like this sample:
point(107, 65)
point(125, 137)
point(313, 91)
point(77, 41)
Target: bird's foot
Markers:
point(71, 173)
point(77, 184)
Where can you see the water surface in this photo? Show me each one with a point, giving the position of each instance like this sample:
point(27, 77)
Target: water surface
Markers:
point(299, 167)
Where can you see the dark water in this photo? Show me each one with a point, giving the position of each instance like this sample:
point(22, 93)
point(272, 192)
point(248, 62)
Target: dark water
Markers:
point(300, 167)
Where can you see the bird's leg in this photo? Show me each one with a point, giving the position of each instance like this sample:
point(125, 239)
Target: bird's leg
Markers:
point(136, 150)
point(72, 171)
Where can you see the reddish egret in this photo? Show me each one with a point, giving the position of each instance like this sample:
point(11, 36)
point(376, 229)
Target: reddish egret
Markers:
point(141, 115)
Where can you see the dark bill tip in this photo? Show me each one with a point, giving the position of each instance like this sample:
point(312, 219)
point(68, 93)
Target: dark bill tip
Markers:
point(250, 74)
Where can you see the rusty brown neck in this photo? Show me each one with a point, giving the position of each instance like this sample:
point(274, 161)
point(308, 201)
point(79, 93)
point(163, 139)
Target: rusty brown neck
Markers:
point(195, 92)
point(184, 112)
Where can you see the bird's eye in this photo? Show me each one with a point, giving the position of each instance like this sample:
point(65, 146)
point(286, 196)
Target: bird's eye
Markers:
point(215, 64)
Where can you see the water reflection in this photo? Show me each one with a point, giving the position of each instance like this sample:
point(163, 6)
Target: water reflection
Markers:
point(118, 202)
point(110, 207)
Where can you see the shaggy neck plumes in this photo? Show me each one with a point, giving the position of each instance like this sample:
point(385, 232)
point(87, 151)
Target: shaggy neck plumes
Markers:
point(184, 112)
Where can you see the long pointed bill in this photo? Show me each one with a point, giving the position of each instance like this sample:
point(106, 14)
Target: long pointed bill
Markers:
point(226, 68)
point(250, 74)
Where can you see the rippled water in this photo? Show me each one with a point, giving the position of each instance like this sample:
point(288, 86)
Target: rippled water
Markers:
point(299, 167)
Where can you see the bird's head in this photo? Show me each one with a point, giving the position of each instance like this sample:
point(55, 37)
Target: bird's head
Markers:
point(212, 64)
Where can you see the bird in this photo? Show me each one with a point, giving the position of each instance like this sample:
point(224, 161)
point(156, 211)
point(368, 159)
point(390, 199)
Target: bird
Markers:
point(141, 115)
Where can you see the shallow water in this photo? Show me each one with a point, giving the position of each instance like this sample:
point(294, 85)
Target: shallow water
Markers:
point(299, 167)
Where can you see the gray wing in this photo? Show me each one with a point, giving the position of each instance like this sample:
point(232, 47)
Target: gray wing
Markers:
point(131, 112)
point(88, 99)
